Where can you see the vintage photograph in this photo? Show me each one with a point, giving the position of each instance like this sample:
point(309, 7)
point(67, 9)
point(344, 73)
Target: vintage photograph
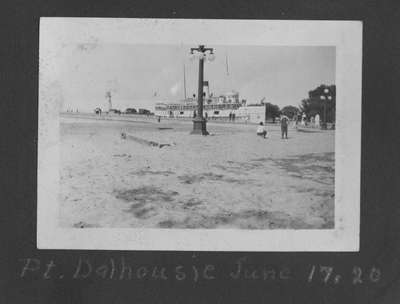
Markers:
point(196, 133)
point(139, 148)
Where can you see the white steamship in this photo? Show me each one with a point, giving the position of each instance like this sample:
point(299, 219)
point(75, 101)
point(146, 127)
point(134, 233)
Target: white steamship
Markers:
point(222, 107)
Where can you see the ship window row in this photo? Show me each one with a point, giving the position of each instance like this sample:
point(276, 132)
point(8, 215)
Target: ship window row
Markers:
point(194, 107)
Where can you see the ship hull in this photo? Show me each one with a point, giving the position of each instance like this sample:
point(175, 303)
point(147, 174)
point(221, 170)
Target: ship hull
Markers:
point(254, 114)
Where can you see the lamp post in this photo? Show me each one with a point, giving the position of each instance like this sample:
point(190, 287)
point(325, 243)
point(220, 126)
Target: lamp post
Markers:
point(202, 53)
point(326, 95)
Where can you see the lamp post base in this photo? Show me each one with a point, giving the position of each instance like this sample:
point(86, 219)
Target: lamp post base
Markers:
point(199, 126)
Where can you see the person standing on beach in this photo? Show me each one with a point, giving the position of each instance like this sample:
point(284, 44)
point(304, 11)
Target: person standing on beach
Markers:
point(284, 126)
point(303, 119)
point(317, 123)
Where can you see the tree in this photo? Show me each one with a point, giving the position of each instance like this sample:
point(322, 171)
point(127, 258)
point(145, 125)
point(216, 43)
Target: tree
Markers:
point(271, 111)
point(314, 104)
point(290, 111)
point(311, 106)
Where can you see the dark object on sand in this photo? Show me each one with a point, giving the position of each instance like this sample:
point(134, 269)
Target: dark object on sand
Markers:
point(143, 141)
point(308, 130)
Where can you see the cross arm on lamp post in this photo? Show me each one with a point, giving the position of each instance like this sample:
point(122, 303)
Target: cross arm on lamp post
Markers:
point(201, 48)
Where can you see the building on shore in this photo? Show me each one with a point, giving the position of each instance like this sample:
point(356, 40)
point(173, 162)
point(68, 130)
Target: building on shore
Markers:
point(226, 106)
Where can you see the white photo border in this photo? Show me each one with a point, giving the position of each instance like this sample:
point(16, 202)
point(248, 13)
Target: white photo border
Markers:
point(346, 36)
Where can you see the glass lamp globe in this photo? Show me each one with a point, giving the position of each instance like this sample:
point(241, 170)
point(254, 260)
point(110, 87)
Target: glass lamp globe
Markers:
point(201, 55)
point(211, 57)
point(192, 56)
point(329, 97)
point(322, 97)
point(326, 91)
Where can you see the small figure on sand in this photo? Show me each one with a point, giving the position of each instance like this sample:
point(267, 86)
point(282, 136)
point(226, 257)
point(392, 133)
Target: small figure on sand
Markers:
point(303, 119)
point(284, 126)
point(317, 121)
point(97, 111)
point(159, 118)
point(261, 130)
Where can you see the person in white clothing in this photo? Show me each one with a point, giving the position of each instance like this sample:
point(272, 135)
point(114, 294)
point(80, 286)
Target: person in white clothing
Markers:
point(261, 130)
point(303, 119)
point(317, 121)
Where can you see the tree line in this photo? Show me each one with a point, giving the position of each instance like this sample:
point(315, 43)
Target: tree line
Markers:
point(321, 100)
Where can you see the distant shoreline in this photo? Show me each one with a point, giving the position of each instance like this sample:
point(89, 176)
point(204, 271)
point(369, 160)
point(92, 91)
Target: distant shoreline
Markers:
point(149, 118)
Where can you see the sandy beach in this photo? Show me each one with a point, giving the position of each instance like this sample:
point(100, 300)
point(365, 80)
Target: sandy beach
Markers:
point(230, 179)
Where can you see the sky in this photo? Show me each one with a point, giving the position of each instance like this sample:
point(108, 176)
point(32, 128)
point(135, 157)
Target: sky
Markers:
point(141, 75)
